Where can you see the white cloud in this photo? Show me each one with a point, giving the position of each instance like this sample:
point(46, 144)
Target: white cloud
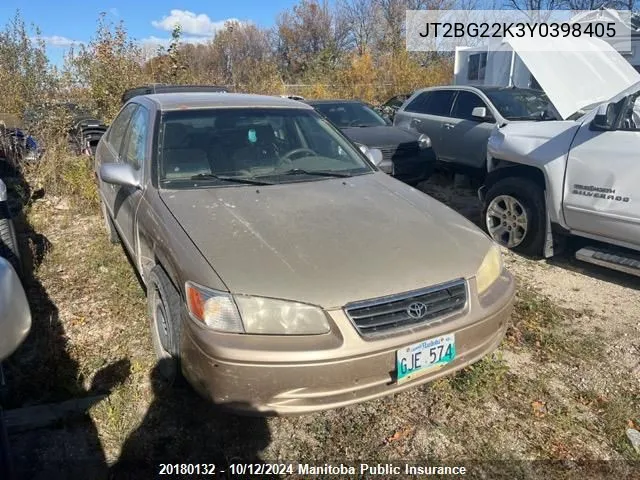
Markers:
point(59, 41)
point(191, 23)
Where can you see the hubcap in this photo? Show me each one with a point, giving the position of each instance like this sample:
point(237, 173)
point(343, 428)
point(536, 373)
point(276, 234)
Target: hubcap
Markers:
point(507, 221)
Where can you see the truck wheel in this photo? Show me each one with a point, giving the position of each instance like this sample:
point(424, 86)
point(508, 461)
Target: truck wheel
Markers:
point(164, 312)
point(108, 223)
point(9, 241)
point(514, 215)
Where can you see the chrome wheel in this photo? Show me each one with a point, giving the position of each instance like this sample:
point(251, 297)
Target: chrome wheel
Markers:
point(507, 221)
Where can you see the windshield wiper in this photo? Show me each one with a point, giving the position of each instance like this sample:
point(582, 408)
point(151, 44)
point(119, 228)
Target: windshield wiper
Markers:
point(320, 173)
point(245, 180)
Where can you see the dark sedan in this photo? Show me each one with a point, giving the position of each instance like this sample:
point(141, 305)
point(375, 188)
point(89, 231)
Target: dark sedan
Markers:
point(412, 155)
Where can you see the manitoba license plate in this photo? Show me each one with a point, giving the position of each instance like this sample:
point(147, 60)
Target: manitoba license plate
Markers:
point(428, 355)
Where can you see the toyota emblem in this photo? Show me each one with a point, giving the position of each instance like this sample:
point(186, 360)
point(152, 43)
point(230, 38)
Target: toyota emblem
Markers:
point(417, 310)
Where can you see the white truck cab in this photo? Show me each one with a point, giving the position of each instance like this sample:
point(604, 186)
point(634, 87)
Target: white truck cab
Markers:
point(578, 176)
point(574, 177)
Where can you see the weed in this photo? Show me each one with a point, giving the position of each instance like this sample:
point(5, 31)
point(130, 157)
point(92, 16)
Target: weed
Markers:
point(481, 378)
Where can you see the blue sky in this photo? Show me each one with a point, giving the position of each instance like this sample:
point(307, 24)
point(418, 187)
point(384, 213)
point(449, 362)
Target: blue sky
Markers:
point(75, 21)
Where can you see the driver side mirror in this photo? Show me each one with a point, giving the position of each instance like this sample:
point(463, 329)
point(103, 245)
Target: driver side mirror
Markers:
point(481, 114)
point(605, 117)
point(121, 174)
point(15, 316)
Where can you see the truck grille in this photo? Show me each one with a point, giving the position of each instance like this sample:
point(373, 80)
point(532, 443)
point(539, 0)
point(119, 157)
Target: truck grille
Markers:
point(397, 152)
point(407, 310)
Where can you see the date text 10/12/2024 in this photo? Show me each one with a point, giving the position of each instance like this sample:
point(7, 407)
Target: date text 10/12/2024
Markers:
point(244, 469)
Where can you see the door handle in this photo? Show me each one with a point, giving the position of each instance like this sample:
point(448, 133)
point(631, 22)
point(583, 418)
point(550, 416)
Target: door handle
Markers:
point(448, 125)
point(415, 121)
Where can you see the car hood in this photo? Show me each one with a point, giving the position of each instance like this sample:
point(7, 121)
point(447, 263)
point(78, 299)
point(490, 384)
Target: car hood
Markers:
point(532, 142)
point(573, 78)
point(328, 242)
point(381, 136)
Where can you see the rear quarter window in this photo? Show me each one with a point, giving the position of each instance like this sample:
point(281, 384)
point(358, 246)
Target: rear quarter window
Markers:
point(417, 105)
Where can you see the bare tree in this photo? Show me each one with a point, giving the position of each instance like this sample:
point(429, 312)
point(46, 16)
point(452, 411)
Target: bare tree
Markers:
point(594, 4)
point(528, 5)
point(309, 36)
point(392, 15)
point(360, 19)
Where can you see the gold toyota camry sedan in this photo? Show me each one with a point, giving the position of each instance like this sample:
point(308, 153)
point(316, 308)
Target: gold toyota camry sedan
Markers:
point(285, 271)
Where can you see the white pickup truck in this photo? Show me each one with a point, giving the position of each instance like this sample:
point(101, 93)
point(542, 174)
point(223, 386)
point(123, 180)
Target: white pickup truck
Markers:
point(575, 177)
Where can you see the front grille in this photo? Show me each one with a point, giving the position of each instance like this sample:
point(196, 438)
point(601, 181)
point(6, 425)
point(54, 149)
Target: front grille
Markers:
point(397, 152)
point(387, 314)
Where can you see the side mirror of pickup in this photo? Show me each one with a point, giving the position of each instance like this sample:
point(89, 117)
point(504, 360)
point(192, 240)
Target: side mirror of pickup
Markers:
point(15, 316)
point(119, 174)
point(605, 117)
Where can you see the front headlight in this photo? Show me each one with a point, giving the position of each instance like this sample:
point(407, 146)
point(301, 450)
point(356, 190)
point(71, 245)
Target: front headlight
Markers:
point(424, 141)
point(255, 315)
point(489, 270)
point(215, 309)
point(278, 317)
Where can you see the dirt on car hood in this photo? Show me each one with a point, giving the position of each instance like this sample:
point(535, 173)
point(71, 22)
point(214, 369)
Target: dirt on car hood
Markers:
point(328, 242)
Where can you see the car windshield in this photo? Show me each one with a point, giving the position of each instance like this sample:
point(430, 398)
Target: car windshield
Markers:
point(522, 104)
point(221, 147)
point(350, 114)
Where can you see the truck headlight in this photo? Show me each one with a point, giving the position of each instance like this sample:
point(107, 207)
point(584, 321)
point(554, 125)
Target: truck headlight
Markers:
point(424, 141)
point(489, 270)
point(255, 315)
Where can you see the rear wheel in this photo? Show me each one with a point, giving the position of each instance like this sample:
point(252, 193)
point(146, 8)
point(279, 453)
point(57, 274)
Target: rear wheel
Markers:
point(9, 241)
point(514, 215)
point(164, 313)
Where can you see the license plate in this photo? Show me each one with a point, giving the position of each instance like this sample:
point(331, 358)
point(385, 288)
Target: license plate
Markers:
point(426, 356)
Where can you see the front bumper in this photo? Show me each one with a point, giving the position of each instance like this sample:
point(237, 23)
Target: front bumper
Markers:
point(416, 168)
point(287, 376)
point(482, 194)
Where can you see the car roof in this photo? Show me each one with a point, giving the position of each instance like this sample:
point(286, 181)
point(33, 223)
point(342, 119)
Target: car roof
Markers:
point(168, 88)
point(201, 100)
point(326, 101)
point(482, 88)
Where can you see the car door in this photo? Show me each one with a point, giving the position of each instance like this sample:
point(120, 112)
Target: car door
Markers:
point(428, 113)
point(135, 151)
point(109, 152)
point(464, 137)
point(601, 183)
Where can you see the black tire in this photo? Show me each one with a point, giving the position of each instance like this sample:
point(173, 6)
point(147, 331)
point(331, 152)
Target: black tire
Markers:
point(164, 306)
point(112, 233)
point(8, 239)
point(531, 197)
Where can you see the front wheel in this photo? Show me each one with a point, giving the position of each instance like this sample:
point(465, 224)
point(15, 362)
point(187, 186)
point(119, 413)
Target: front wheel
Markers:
point(164, 313)
point(514, 215)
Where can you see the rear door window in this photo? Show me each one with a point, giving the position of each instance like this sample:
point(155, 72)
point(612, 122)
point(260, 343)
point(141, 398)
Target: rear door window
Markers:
point(418, 104)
